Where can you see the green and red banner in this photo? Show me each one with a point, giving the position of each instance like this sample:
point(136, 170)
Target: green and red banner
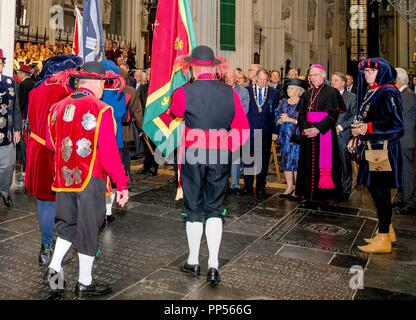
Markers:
point(173, 37)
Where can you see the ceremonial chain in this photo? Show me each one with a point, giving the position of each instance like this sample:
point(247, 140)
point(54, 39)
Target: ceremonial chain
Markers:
point(314, 99)
point(367, 99)
point(257, 98)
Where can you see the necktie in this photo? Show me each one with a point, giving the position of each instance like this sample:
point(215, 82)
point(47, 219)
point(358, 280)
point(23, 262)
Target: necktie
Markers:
point(260, 96)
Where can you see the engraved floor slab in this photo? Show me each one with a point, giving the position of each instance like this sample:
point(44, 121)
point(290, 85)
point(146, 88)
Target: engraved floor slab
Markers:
point(264, 276)
point(325, 231)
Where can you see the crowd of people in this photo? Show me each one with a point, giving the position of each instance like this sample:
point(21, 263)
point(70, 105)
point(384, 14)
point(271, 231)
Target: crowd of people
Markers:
point(325, 125)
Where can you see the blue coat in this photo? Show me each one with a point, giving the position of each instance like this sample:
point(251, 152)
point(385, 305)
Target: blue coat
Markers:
point(384, 113)
point(264, 120)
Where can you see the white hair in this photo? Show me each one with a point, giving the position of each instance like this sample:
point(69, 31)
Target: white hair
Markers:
point(402, 76)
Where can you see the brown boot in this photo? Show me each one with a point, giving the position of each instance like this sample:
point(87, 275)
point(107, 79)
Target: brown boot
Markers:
point(381, 244)
point(392, 235)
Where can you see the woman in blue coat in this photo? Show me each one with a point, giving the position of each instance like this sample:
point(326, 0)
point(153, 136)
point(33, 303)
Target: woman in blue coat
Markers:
point(380, 121)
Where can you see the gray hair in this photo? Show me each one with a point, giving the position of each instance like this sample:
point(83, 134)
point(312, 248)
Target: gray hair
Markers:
point(341, 75)
point(402, 76)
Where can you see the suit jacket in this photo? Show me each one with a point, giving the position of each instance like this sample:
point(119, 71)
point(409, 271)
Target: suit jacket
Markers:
point(244, 97)
point(346, 119)
point(265, 119)
point(24, 89)
point(409, 115)
point(353, 90)
point(142, 91)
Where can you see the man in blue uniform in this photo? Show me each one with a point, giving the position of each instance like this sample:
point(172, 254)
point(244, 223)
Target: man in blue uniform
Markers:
point(10, 126)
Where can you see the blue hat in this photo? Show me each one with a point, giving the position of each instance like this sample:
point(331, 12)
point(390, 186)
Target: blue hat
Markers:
point(57, 64)
point(109, 65)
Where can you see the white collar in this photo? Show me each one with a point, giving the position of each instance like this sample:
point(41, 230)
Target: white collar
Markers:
point(402, 88)
point(342, 92)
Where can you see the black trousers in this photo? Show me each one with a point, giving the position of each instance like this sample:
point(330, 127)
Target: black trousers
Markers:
point(149, 159)
point(264, 160)
point(79, 216)
point(346, 166)
point(204, 188)
point(382, 200)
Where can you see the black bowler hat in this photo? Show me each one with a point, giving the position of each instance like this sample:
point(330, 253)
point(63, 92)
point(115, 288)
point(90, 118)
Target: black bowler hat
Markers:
point(203, 56)
point(92, 70)
point(295, 82)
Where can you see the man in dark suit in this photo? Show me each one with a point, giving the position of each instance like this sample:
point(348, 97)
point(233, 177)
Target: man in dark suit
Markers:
point(338, 81)
point(349, 86)
point(150, 166)
point(26, 85)
point(264, 101)
point(406, 203)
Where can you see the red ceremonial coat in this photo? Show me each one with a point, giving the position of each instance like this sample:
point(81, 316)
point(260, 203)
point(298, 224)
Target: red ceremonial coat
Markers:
point(40, 160)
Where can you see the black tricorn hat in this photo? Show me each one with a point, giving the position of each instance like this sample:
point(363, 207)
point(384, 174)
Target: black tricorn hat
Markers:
point(295, 82)
point(92, 70)
point(203, 56)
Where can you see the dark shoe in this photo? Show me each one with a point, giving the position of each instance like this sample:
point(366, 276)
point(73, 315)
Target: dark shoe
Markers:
point(261, 193)
point(8, 201)
point(194, 270)
point(45, 254)
point(398, 205)
point(247, 191)
point(406, 211)
point(344, 197)
point(286, 196)
point(54, 279)
point(173, 181)
point(94, 289)
point(153, 172)
point(110, 219)
point(295, 198)
point(143, 171)
point(213, 276)
point(234, 191)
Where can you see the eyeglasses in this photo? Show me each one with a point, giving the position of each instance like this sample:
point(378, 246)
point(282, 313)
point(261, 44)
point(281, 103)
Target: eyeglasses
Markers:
point(314, 75)
point(370, 71)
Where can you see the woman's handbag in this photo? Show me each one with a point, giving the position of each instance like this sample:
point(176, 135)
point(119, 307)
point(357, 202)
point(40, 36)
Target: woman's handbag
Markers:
point(378, 160)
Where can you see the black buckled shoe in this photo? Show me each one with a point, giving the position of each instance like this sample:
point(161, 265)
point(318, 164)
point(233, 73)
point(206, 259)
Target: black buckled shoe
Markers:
point(94, 289)
point(143, 171)
point(8, 202)
point(153, 171)
point(45, 254)
point(193, 269)
point(213, 276)
point(54, 279)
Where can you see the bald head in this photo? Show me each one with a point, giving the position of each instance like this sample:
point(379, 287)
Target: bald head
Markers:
point(230, 76)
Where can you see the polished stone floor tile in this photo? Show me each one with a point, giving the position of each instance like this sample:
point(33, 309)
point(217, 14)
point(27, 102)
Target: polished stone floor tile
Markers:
point(271, 249)
point(305, 254)
point(378, 294)
point(324, 231)
point(348, 261)
point(263, 276)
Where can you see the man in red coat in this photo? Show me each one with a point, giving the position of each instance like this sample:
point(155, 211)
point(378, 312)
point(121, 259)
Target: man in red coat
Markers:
point(40, 172)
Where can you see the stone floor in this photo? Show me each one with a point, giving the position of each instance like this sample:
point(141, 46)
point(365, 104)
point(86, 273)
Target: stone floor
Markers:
point(272, 249)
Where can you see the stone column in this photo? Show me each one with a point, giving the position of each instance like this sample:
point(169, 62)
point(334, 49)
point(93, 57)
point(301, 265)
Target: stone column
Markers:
point(303, 22)
point(208, 24)
point(7, 34)
point(273, 34)
point(39, 17)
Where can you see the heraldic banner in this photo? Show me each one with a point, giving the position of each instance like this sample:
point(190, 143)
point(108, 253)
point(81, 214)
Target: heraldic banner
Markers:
point(173, 37)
